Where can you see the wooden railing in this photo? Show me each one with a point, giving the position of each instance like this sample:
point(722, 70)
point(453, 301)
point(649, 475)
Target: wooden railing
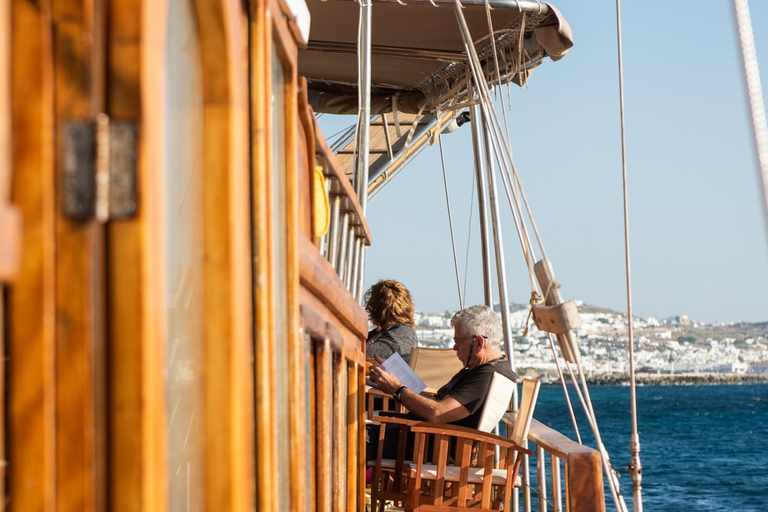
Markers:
point(334, 326)
point(565, 470)
point(348, 235)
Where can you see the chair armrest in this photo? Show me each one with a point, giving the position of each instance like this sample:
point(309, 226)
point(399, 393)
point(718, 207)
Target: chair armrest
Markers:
point(467, 433)
point(394, 417)
point(377, 392)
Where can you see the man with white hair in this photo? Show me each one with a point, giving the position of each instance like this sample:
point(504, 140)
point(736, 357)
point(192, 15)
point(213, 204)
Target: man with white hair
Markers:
point(477, 342)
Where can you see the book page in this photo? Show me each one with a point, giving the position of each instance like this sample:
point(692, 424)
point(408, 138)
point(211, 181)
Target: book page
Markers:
point(397, 366)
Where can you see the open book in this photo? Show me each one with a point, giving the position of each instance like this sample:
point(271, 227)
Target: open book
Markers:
point(397, 366)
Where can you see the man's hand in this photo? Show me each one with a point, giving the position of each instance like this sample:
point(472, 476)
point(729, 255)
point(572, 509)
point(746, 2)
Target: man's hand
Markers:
point(384, 380)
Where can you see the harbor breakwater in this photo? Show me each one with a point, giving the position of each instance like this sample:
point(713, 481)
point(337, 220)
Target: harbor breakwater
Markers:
point(661, 379)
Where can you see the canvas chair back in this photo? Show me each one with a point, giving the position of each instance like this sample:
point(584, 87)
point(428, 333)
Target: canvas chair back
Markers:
point(528, 398)
point(496, 402)
point(435, 366)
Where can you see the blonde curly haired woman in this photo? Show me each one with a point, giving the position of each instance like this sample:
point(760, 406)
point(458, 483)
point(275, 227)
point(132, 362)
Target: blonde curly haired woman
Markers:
point(390, 308)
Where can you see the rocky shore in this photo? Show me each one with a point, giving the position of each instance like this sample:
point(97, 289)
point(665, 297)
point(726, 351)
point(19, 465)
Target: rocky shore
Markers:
point(666, 379)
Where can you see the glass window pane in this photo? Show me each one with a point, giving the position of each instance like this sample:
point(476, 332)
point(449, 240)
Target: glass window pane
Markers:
point(184, 264)
point(279, 255)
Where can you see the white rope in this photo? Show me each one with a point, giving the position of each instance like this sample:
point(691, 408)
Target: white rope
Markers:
point(450, 218)
point(635, 466)
point(610, 473)
point(755, 93)
point(565, 388)
point(469, 231)
point(533, 222)
point(497, 138)
point(519, 225)
point(493, 40)
point(494, 131)
point(492, 122)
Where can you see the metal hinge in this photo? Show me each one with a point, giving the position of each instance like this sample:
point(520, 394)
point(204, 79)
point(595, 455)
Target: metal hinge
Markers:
point(99, 169)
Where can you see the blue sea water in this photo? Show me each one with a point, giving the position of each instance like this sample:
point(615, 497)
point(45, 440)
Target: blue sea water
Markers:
point(702, 447)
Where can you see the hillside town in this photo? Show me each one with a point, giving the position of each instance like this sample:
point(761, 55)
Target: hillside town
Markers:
point(675, 345)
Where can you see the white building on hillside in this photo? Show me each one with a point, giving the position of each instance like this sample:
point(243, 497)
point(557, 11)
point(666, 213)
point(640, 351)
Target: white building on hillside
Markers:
point(736, 367)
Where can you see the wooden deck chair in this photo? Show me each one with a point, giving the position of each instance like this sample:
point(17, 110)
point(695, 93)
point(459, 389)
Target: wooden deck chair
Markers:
point(387, 480)
point(471, 481)
point(435, 366)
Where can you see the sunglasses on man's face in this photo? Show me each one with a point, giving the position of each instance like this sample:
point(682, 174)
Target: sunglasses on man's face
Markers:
point(462, 338)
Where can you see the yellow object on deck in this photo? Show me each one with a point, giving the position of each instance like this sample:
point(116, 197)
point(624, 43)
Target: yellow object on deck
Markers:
point(322, 210)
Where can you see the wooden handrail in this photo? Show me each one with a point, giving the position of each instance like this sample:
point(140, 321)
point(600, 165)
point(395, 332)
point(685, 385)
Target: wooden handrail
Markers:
point(555, 442)
point(583, 468)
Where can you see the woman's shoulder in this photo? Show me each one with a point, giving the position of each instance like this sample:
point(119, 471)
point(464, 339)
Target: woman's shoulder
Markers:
point(402, 331)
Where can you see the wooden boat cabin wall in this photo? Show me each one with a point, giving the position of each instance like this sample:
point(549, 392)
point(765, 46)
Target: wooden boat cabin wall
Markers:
point(173, 337)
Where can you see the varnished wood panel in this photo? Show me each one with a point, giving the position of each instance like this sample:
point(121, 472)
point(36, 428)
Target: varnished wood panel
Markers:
point(10, 237)
point(10, 217)
point(354, 416)
point(78, 288)
point(361, 434)
point(6, 162)
point(286, 50)
point(265, 446)
point(229, 399)
point(324, 455)
point(229, 467)
point(31, 306)
point(339, 432)
point(137, 465)
point(306, 150)
point(343, 340)
point(5, 103)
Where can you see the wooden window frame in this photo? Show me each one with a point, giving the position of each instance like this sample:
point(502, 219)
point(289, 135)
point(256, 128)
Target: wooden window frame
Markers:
point(30, 307)
point(269, 32)
point(138, 34)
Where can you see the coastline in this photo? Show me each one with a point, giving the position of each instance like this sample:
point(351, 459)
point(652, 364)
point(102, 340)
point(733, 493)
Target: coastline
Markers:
point(658, 379)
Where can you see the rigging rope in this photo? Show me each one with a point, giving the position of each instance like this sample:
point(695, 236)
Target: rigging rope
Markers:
point(635, 467)
point(469, 232)
point(565, 388)
point(492, 122)
point(755, 93)
point(450, 218)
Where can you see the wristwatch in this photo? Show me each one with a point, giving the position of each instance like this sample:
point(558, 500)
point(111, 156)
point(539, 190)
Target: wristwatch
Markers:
point(396, 394)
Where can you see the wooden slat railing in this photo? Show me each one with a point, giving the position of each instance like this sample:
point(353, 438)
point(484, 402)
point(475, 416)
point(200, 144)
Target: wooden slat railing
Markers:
point(582, 472)
point(344, 244)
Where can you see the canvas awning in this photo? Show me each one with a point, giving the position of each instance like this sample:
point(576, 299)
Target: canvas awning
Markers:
point(417, 54)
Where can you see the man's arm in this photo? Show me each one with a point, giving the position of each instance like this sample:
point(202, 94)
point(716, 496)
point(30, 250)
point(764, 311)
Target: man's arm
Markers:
point(439, 411)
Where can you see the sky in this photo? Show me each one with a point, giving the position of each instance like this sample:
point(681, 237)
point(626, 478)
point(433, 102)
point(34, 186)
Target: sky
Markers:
point(698, 239)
